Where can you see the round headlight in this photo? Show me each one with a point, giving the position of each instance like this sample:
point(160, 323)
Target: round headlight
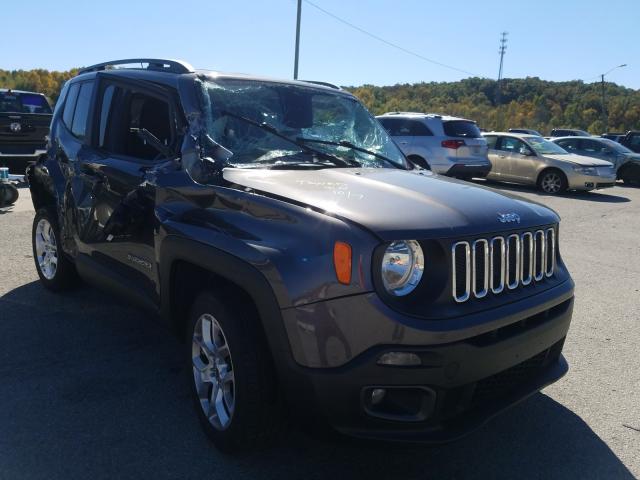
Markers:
point(402, 267)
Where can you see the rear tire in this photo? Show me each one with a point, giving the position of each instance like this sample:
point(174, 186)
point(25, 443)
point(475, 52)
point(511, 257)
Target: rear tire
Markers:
point(552, 181)
point(8, 194)
point(56, 271)
point(229, 362)
point(630, 175)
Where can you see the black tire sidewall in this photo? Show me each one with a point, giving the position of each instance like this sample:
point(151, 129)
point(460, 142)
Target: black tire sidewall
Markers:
point(8, 194)
point(243, 347)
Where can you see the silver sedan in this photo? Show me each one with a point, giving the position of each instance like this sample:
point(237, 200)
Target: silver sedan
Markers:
point(532, 160)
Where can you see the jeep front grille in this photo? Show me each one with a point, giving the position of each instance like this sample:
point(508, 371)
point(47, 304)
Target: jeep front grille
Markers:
point(501, 263)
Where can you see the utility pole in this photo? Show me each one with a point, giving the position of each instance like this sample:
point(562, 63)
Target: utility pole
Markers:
point(502, 50)
point(295, 62)
point(605, 116)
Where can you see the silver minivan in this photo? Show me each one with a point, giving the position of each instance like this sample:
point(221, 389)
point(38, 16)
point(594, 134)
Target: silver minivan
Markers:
point(448, 145)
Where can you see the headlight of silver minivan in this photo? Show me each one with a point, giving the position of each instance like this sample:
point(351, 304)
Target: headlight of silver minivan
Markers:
point(402, 267)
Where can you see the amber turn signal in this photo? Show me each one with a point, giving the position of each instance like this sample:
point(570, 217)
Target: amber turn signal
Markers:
point(342, 262)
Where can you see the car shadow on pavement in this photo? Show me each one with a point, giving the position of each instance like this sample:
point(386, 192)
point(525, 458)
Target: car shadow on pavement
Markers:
point(92, 388)
point(593, 196)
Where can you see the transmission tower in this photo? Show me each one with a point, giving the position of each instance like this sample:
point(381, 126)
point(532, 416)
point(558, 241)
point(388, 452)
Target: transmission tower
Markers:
point(501, 50)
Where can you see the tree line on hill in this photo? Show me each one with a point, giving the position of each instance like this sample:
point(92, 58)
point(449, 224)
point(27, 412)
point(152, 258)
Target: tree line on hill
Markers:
point(526, 102)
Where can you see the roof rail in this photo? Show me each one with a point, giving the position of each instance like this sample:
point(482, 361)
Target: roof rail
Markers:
point(157, 64)
point(324, 84)
point(404, 113)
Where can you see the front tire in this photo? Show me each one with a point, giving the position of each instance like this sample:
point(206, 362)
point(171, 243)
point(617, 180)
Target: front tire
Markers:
point(56, 271)
point(552, 182)
point(231, 374)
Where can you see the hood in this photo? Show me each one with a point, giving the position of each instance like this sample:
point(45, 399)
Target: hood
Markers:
point(580, 160)
point(397, 204)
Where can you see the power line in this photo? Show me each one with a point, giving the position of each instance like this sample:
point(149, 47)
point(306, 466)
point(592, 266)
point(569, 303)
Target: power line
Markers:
point(391, 44)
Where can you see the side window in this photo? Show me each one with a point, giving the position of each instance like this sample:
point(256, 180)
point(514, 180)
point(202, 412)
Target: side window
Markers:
point(395, 126)
point(70, 104)
point(510, 144)
point(592, 147)
point(570, 145)
point(514, 145)
point(419, 129)
point(105, 110)
point(491, 141)
point(79, 125)
point(124, 114)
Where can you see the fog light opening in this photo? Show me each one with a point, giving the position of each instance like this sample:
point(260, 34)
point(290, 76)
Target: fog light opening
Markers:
point(402, 404)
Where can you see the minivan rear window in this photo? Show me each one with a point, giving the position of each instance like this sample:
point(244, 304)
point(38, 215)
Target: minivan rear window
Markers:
point(461, 128)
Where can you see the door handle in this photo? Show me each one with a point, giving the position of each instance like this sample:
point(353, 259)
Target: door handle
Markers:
point(404, 143)
point(502, 156)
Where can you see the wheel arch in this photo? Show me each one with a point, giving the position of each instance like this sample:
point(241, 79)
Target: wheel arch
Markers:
point(40, 196)
point(187, 266)
point(551, 168)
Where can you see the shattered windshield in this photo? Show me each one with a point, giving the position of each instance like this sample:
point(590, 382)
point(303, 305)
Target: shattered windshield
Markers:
point(274, 124)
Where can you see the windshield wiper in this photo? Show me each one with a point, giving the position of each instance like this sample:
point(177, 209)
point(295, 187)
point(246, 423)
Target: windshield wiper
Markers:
point(274, 131)
point(347, 144)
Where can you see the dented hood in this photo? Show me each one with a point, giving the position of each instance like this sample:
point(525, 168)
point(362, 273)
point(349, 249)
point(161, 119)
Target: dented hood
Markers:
point(396, 204)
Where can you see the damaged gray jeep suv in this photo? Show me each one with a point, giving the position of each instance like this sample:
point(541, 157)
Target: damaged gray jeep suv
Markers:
point(309, 267)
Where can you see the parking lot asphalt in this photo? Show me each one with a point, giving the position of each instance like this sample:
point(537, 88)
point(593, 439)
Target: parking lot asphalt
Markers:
point(91, 388)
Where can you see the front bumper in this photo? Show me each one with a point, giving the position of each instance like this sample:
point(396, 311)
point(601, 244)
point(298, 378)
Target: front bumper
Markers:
point(590, 182)
point(469, 374)
point(469, 170)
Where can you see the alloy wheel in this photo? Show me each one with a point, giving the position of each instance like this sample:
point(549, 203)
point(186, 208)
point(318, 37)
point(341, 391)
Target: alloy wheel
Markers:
point(213, 372)
point(551, 183)
point(46, 249)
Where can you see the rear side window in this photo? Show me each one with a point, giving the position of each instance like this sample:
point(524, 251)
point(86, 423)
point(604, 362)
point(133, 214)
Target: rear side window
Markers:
point(81, 114)
point(419, 129)
point(461, 128)
point(70, 104)
point(491, 141)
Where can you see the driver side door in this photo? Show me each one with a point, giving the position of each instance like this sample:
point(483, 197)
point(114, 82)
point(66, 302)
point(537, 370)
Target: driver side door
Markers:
point(123, 164)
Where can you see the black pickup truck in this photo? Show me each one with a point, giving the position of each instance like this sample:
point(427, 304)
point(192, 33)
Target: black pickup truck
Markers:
point(24, 125)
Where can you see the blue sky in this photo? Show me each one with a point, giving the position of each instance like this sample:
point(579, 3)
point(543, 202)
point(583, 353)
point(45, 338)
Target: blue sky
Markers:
point(555, 40)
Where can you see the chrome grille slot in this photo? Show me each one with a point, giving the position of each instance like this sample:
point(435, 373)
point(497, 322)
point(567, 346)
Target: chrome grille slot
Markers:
point(526, 258)
point(497, 264)
point(480, 268)
point(550, 257)
point(461, 268)
point(513, 261)
point(539, 254)
point(484, 266)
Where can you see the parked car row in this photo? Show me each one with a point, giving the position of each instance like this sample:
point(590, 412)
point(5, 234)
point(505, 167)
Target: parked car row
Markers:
point(568, 160)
